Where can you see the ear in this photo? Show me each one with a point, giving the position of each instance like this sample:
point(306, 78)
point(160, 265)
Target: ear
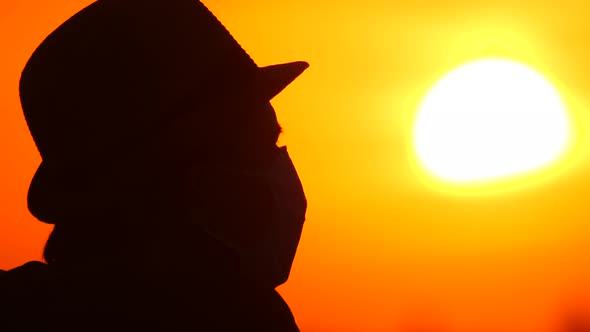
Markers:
point(233, 207)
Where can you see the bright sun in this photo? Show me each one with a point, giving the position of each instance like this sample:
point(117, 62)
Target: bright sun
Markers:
point(489, 119)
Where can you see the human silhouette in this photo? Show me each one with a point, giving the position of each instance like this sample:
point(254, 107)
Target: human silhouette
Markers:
point(173, 207)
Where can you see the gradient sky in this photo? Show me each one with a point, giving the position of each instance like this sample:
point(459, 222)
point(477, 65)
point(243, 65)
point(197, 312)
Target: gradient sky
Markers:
point(381, 249)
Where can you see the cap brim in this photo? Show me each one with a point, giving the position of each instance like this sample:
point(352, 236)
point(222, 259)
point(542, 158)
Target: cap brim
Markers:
point(274, 79)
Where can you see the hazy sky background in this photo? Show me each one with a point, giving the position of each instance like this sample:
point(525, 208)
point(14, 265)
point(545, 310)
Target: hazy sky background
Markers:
point(381, 250)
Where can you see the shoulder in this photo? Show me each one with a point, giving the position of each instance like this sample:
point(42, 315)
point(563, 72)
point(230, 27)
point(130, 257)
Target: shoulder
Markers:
point(23, 292)
point(30, 268)
point(29, 274)
point(23, 279)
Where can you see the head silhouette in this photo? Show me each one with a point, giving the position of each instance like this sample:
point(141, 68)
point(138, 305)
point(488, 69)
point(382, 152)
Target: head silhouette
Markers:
point(128, 100)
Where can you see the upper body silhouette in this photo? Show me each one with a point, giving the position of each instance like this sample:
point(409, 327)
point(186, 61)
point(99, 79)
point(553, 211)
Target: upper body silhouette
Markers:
point(174, 209)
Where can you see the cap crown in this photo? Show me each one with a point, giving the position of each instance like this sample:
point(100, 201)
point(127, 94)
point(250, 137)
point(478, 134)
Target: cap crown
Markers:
point(109, 76)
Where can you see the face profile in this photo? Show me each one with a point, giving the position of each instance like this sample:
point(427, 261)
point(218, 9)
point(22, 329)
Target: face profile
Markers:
point(171, 202)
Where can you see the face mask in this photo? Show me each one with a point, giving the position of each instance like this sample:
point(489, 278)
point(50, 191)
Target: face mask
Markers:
point(289, 210)
point(272, 256)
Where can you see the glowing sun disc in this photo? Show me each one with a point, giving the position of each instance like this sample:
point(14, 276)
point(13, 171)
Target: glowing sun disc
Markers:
point(490, 119)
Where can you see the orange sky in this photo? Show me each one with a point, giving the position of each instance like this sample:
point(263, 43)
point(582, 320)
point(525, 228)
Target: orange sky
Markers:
point(381, 250)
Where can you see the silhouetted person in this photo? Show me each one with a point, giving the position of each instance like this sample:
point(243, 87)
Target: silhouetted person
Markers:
point(173, 207)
